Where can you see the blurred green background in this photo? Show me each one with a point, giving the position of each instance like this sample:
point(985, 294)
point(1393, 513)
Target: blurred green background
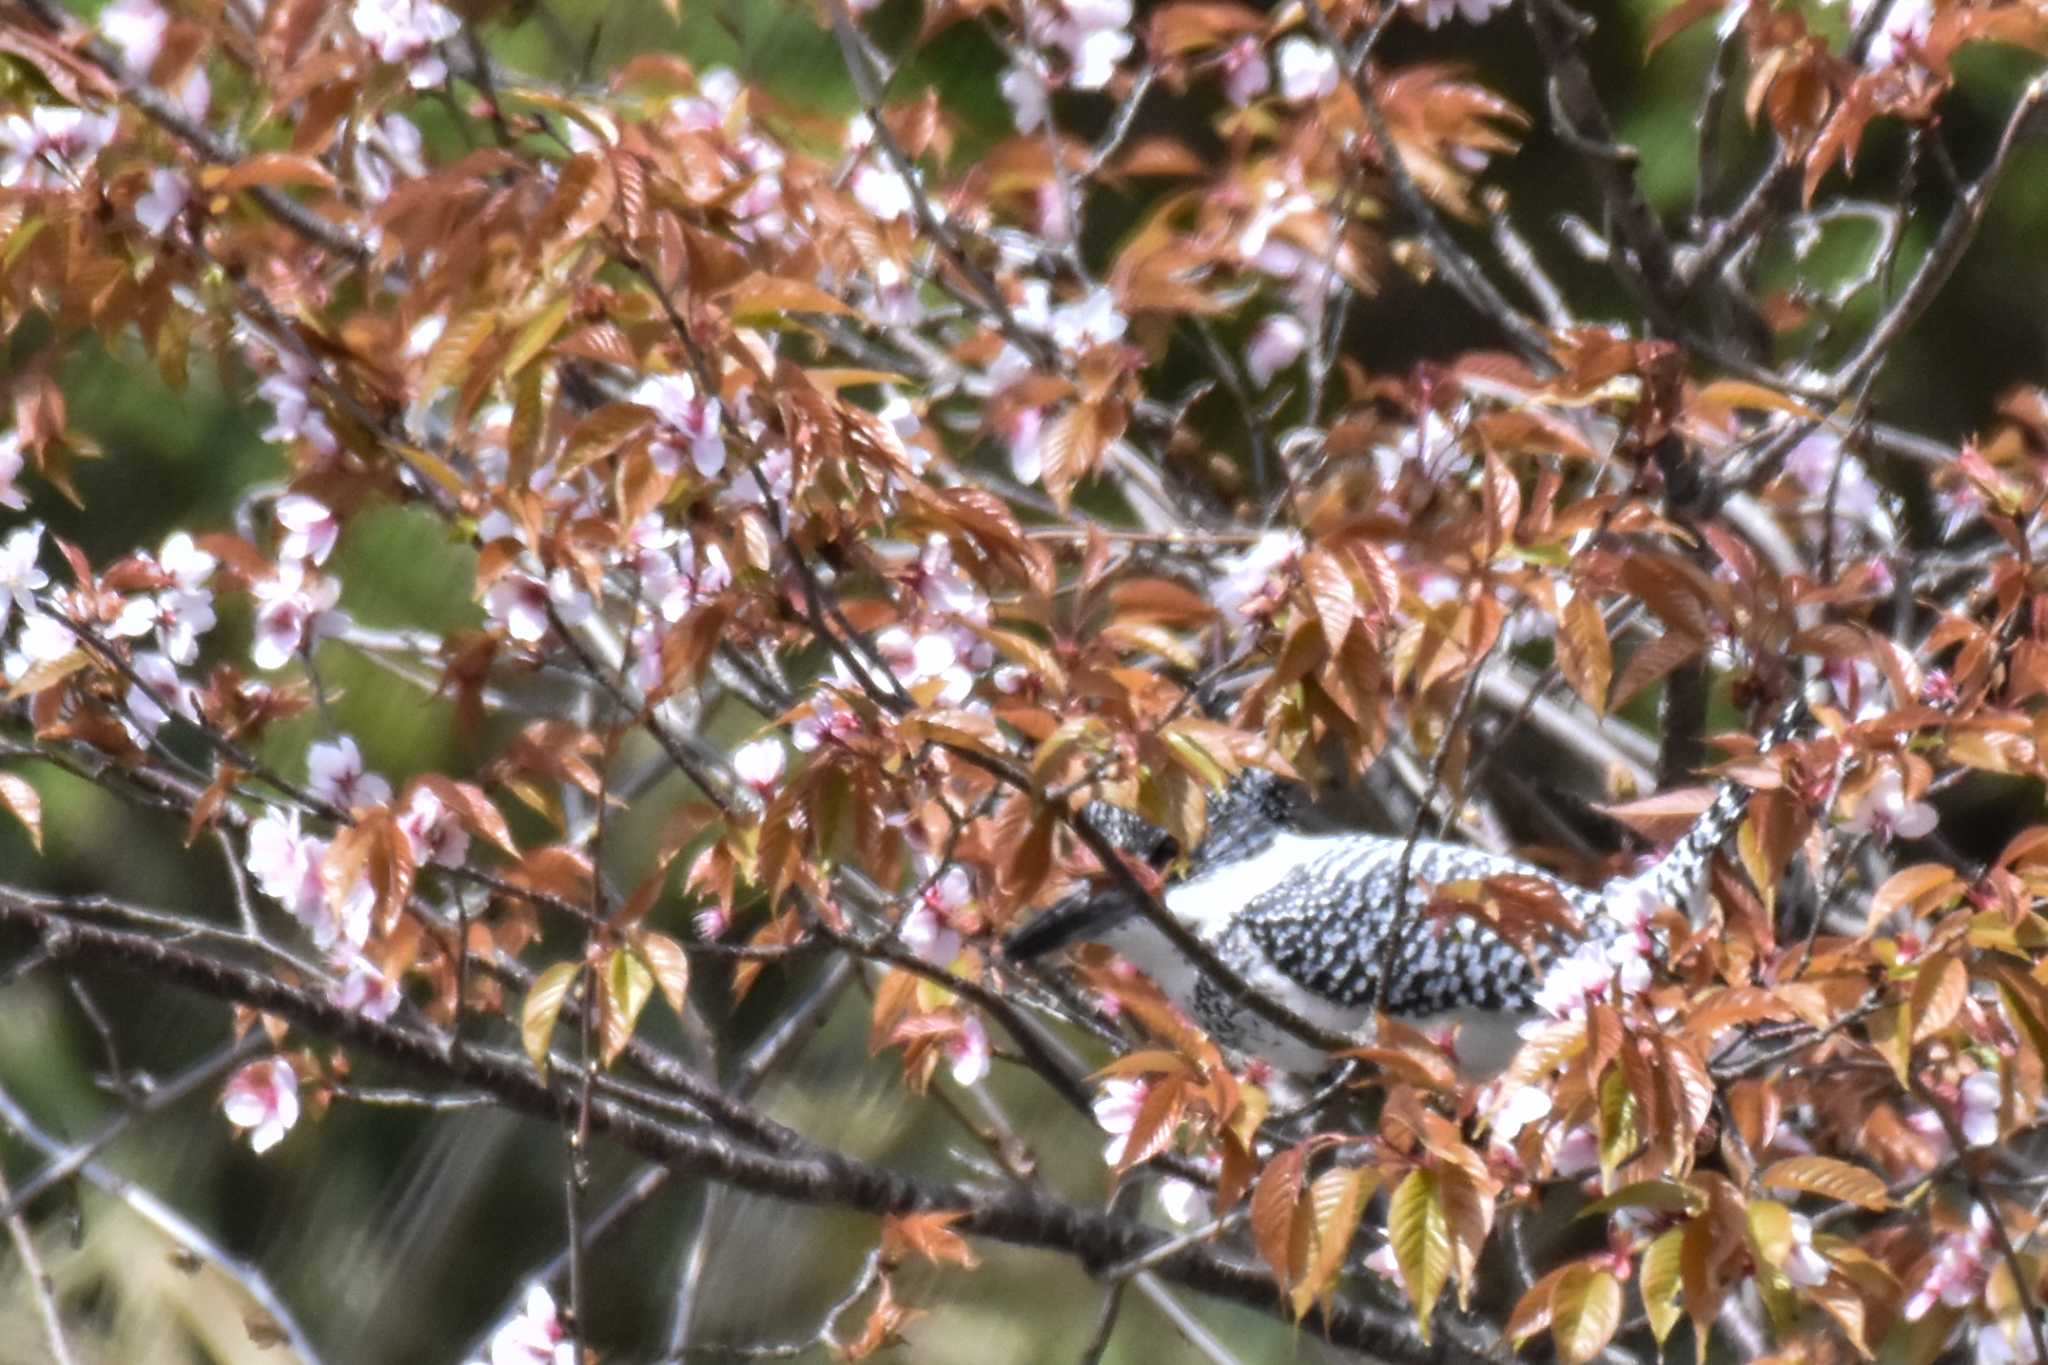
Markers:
point(397, 1237)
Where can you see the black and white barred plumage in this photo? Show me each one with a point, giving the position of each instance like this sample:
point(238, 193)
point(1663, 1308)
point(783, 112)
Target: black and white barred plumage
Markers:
point(1304, 916)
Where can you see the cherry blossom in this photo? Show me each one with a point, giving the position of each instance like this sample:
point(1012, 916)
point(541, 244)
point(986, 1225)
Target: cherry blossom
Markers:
point(882, 192)
point(718, 92)
point(1091, 320)
point(534, 1336)
point(1591, 972)
point(967, 1052)
point(285, 861)
point(1252, 583)
point(295, 414)
point(334, 772)
point(679, 574)
point(42, 639)
point(433, 832)
point(404, 33)
point(759, 765)
point(519, 604)
point(1435, 12)
point(1024, 434)
point(1888, 813)
point(1978, 1120)
point(1385, 1264)
point(916, 660)
point(263, 1099)
point(366, 990)
point(1029, 95)
point(136, 30)
point(1275, 344)
point(1577, 1152)
point(1958, 1270)
point(310, 529)
point(2009, 1341)
point(1804, 1266)
point(1246, 73)
point(824, 720)
point(1899, 34)
point(385, 150)
point(160, 682)
point(941, 587)
point(293, 610)
point(183, 611)
point(1308, 70)
point(161, 204)
point(1096, 37)
point(1182, 1201)
point(1516, 1109)
point(20, 577)
point(51, 146)
point(711, 923)
point(11, 460)
point(1116, 1113)
point(688, 422)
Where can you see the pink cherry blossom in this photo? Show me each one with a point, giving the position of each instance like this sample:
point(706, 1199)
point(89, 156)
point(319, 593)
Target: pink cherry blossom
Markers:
point(1116, 1112)
point(1577, 1153)
point(1436, 12)
point(967, 1052)
point(1887, 812)
point(294, 608)
point(1096, 37)
point(882, 192)
point(1252, 583)
point(759, 765)
point(1024, 433)
point(824, 722)
point(1029, 95)
point(1246, 73)
point(711, 923)
point(534, 1336)
point(1385, 1264)
point(366, 990)
point(159, 206)
point(1899, 34)
point(310, 529)
point(1275, 344)
point(519, 604)
point(335, 773)
point(285, 861)
point(404, 33)
point(145, 704)
point(43, 639)
point(20, 576)
point(1805, 1266)
point(689, 422)
point(51, 147)
point(1308, 70)
point(11, 461)
point(1958, 1270)
point(926, 932)
point(136, 30)
point(1517, 1109)
point(295, 415)
point(1978, 1120)
point(263, 1099)
point(434, 833)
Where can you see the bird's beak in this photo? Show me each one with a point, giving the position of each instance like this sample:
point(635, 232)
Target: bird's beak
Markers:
point(1085, 915)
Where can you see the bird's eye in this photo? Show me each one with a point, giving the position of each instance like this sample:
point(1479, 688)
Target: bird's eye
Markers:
point(1165, 851)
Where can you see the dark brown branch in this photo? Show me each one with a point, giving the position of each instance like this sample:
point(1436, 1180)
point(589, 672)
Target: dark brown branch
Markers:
point(804, 1175)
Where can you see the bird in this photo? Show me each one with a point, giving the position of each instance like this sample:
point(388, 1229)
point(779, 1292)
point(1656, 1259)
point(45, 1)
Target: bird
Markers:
point(1303, 917)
